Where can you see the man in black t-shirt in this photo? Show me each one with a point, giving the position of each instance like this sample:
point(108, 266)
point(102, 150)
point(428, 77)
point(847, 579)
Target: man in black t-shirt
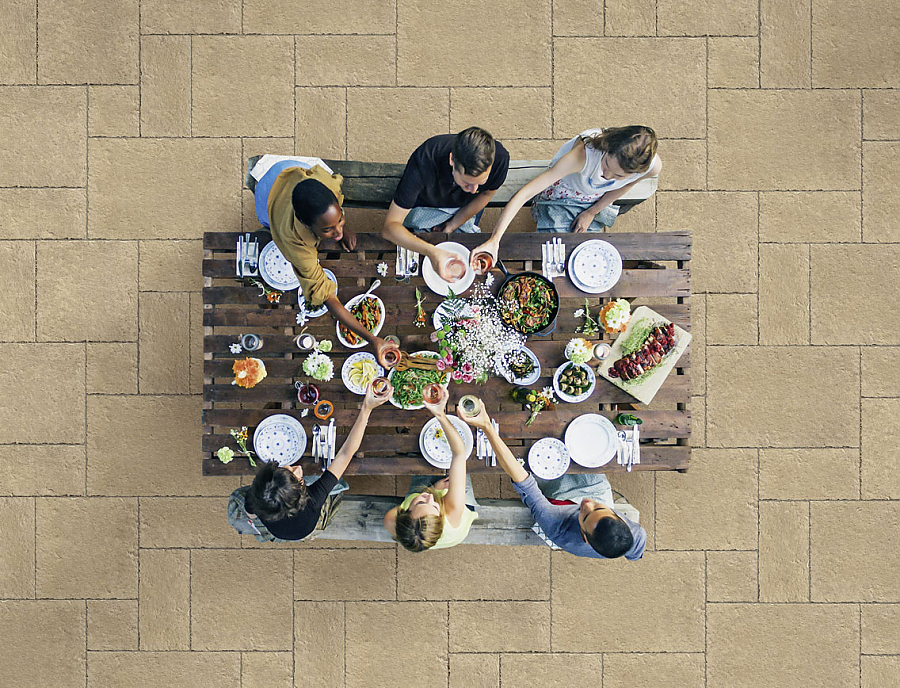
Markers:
point(448, 180)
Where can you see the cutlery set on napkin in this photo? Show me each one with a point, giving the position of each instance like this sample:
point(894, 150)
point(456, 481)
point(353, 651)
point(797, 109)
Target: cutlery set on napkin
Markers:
point(628, 447)
point(247, 260)
point(553, 259)
point(483, 449)
point(407, 264)
point(324, 440)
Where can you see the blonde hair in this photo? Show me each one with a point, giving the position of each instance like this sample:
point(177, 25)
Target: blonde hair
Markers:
point(419, 534)
point(633, 146)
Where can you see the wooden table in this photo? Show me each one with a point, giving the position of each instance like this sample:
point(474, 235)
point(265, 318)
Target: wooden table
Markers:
point(656, 271)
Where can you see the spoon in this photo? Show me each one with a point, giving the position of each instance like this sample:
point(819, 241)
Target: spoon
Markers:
point(375, 285)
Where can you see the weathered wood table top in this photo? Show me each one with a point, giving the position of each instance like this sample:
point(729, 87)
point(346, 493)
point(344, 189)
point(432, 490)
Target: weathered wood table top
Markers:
point(656, 272)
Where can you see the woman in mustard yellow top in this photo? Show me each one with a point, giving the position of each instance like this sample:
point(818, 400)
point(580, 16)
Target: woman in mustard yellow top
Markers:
point(440, 514)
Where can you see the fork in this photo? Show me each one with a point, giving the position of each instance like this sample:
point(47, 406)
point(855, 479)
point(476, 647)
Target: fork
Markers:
point(560, 252)
point(252, 259)
point(546, 271)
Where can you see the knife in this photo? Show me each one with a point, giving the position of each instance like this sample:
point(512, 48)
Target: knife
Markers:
point(238, 263)
point(637, 445)
point(332, 436)
point(496, 427)
point(400, 266)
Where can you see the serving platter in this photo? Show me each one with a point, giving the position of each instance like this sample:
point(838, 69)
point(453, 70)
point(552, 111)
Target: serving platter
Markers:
point(645, 387)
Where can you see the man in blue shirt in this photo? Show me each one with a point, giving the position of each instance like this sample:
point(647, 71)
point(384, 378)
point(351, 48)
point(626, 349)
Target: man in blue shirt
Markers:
point(589, 529)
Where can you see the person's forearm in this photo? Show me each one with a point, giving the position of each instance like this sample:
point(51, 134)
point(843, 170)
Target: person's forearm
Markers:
point(454, 439)
point(469, 210)
point(514, 205)
point(347, 319)
point(351, 444)
point(505, 457)
point(396, 233)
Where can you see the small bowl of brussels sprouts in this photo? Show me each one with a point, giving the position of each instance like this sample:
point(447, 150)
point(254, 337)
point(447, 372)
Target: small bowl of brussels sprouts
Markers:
point(574, 382)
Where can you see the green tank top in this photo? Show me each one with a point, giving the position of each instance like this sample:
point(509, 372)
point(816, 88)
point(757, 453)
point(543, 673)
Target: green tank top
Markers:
point(450, 536)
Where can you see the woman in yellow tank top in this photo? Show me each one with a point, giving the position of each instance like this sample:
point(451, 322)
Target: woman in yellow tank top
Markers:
point(438, 516)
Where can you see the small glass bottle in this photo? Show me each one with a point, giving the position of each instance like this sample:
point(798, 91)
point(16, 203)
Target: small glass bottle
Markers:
point(520, 395)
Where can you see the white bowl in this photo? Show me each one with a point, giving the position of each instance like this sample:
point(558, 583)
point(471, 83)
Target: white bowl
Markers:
point(584, 396)
point(352, 302)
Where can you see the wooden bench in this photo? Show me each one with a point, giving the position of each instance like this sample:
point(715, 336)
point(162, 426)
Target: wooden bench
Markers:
point(372, 184)
point(500, 521)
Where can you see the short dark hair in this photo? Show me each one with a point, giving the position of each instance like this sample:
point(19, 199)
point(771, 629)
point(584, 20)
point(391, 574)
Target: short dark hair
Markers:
point(473, 151)
point(275, 493)
point(311, 199)
point(611, 537)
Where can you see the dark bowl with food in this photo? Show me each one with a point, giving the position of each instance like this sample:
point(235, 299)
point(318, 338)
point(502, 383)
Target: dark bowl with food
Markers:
point(529, 302)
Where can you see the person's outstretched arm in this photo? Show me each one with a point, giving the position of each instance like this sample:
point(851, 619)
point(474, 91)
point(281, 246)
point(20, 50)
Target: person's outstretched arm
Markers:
point(573, 161)
point(455, 499)
point(345, 454)
point(549, 516)
point(348, 320)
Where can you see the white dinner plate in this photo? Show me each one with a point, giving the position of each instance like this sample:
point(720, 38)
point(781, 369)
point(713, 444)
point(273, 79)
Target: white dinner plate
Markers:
point(323, 309)
point(436, 450)
point(595, 266)
point(548, 458)
point(348, 364)
point(352, 302)
point(275, 269)
point(280, 438)
point(437, 284)
point(591, 440)
point(521, 381)
point(584, 396)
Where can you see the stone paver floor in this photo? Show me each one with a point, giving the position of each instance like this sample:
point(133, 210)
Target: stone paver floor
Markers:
point(123, 128)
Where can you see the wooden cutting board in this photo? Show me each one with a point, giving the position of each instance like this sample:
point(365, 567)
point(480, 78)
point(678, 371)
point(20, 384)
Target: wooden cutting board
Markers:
point(646, 389)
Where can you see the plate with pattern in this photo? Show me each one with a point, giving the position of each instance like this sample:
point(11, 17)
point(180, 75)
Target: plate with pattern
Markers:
point(280, 438)
point(275, 269)
point(435, 447)
point(323, 309)
point(548, 458)
point(595, 266)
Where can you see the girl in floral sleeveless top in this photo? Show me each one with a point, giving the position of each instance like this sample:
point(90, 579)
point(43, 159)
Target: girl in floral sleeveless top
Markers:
point(587, 175)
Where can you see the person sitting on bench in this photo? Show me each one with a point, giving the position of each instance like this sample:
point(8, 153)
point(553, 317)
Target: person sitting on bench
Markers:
point(447, 182)
point(436, 513)
point(302, 206)
point(587, 528)
point(289, 505)
point(577, 192)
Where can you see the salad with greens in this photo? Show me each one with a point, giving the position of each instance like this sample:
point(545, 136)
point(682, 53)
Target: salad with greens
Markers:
point(408, 384)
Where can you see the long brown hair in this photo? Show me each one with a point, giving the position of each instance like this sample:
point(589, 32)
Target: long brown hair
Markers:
point(419, 534)
point(633, 146)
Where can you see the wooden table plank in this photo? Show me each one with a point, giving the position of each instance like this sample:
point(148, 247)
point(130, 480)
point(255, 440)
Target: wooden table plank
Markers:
point(654, 457)
point(658, 246)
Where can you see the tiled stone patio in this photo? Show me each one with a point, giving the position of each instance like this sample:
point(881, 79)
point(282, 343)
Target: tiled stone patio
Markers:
point(773, 562)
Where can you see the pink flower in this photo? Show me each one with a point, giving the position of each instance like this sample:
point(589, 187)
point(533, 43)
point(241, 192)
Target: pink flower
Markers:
point(433, 337)
point(448, 359)
point(467, 367)
point(467, 378)
point(441, 364)
point(457, 375)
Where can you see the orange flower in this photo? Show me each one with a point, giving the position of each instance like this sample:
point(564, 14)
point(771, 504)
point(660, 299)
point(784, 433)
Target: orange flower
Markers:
point(248, 372)
point(273, 297)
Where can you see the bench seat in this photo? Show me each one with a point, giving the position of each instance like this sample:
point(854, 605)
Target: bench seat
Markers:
point(500, 521)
